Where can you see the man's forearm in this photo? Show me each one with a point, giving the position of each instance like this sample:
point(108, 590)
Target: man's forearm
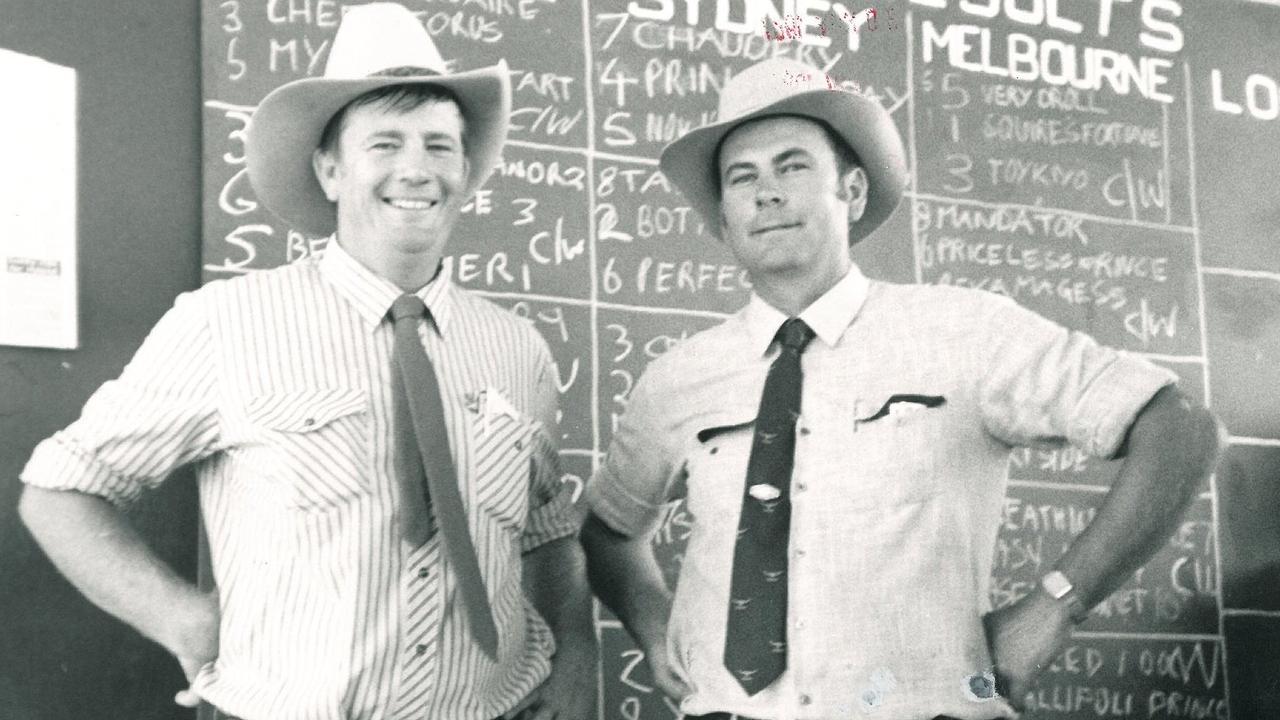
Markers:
point(1173, 446)
point(626, 577)
point(555, 580)
point(96, 548)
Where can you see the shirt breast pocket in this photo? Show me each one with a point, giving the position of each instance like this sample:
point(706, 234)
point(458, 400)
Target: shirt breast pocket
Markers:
point(313, 443)
point(717, 467)
point(503, 458)
point(897, 444)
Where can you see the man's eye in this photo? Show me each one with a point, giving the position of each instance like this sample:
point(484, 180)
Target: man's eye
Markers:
point(440, 148)
point(741, 179)
point(383, 145)
point(792, 166)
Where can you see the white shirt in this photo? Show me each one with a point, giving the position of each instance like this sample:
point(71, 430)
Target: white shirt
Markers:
point(912, 397)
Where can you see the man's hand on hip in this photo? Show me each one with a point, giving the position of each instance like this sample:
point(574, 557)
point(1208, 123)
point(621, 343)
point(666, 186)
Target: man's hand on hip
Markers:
point(664, 676)
point(1024, 638)
point(570, 692)
point(194, 638)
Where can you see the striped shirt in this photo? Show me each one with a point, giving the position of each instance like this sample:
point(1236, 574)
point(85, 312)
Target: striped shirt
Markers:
point(278, 384)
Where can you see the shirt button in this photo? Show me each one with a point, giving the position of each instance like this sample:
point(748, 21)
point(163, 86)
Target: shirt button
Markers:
point(519, 444)
point(799, 552)
point(799, 625)
point(801, 487)
point(804, 431)
point(309, 422)
point(805, 699)
point(420, 649)
point(424, 572)
point(715, 449)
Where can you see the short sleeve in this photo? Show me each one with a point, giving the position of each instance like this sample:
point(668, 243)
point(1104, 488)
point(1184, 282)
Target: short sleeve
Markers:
point(642, 465)
point(134, 430)
point(551, 510)
point(1042, 384)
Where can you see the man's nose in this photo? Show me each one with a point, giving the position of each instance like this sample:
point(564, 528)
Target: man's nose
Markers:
point(768, 193)
point(415, 167)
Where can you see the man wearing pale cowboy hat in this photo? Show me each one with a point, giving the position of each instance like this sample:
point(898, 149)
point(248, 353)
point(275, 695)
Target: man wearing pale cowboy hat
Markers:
point(843, 443)
point(375, 446)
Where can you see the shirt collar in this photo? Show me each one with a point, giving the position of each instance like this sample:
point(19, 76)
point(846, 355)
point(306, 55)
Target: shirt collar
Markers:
point(371, 294)
point(829, 316)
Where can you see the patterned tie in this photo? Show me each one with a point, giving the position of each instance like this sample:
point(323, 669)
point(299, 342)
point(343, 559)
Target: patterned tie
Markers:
point(755, 648)
point(422, 446)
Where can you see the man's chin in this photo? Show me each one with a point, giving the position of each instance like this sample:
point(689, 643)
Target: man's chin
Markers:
point(416, 239)
point(776, 267)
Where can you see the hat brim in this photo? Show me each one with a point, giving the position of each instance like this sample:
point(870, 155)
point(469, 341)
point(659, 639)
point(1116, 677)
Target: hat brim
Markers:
point(286, 127)
point(690, 162)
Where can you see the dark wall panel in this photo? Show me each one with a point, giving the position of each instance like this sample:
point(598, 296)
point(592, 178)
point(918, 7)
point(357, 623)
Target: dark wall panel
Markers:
point(137, 65)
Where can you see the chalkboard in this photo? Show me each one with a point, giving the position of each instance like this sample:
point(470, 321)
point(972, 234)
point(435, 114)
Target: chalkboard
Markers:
point(1087, 159)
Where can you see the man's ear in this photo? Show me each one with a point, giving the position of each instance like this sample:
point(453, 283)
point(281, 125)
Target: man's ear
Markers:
point(853, 190)
point(325, 166)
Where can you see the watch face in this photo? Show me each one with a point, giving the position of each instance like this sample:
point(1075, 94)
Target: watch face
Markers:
point(1056, 584)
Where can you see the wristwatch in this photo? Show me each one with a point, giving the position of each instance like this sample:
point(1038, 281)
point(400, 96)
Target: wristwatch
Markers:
point(1060, 588)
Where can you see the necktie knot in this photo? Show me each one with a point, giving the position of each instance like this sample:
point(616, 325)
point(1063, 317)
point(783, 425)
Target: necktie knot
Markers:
point(795, 334)
point(408, 306)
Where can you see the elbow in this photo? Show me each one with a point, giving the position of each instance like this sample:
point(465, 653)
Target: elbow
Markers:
point(1176, 437)
point(1198, 438)
point(1204, 434)
point(1217, 434)
point(1207, 440)
point(31, 505)
point(42, 509)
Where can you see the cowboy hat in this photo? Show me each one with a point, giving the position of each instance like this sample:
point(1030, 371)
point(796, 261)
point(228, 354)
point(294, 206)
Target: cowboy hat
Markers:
point(782, 86)
point(373, 38)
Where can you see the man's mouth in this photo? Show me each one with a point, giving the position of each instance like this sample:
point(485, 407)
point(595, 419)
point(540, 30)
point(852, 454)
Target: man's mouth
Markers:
point(410, 204)
point(774, 227)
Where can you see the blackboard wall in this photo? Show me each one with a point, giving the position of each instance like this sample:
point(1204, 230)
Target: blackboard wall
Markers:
point(137, 65)
point(1138, 202)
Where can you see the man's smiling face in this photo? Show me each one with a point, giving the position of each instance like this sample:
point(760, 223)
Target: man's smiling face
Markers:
point(397, 178)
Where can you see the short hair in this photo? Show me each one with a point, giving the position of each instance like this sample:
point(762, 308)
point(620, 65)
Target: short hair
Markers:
point(400, 98)
point(846, 158)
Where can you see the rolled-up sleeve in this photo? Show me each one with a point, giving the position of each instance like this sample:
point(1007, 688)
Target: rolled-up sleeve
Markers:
point(1045, 385)
point(133, 431)
point(635, 479)
point(551, 510)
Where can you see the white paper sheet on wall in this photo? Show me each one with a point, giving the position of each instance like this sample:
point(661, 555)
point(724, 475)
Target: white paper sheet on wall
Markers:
point(37, 203)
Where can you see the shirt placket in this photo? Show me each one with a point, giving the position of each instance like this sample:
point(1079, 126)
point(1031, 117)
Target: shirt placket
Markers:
point(422, 587)
point(798, 564)
point(798, 693)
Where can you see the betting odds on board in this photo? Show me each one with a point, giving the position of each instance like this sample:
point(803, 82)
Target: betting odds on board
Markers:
point(1083, 158)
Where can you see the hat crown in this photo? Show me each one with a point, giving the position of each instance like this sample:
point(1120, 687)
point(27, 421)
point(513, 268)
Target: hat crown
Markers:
point(377, 37)
point(768, 82)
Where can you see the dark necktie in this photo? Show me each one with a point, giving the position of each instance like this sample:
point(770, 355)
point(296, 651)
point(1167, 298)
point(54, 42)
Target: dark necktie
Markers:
point(755, 648)
point(422, 447)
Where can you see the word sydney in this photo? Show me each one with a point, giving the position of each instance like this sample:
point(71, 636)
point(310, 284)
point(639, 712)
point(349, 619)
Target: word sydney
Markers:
point(804, 21)
point(796, 27)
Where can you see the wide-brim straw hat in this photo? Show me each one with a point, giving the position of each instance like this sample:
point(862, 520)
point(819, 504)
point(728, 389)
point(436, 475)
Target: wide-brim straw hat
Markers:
point(373, 38)
point(782, 86)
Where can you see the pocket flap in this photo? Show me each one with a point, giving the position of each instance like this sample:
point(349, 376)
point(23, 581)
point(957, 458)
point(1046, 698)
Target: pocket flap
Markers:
point(711, 427)
point(304, 410)
point(874, 407)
